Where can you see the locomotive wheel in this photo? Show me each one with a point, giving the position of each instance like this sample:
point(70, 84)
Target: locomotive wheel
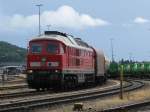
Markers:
point(70, 82)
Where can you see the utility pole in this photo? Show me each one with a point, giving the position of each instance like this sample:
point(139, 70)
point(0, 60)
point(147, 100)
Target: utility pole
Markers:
point(121, 82)
point(130, 56)
point(39, 6)
point(112, 49)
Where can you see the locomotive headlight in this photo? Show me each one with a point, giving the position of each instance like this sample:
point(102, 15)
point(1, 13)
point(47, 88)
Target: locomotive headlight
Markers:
point(30, 71)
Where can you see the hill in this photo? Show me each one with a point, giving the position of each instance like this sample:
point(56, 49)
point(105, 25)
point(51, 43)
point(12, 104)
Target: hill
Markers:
point(11, 53)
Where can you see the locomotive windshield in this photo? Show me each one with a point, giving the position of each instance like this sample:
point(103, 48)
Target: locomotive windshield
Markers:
point(36, 48)
point(52, 48)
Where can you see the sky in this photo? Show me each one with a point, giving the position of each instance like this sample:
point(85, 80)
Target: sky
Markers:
point(127, 22)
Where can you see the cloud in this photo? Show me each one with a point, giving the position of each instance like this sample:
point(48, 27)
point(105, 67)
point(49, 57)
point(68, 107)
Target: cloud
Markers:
point(140, 20)
point(65, 16)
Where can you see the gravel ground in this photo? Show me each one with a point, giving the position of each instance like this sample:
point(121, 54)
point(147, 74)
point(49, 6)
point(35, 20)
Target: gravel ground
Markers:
point(106, 102)
point(143, 109)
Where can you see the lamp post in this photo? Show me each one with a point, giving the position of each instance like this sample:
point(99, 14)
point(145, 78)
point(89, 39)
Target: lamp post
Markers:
point(130, 56)
point(39, 6)
point(121, 82)
point(112, 49)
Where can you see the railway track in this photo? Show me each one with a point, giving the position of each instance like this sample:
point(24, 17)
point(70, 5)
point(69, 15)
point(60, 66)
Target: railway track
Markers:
point(22, 104)
point(127, 107)
point(15, 83)
point(23, 94)
point(14, 79)
point(32, 92)
point(18, 81)
point(14, 86)
point(134, 106)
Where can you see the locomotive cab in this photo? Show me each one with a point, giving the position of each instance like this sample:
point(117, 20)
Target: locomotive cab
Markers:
point(44, 62)
point(45, 54)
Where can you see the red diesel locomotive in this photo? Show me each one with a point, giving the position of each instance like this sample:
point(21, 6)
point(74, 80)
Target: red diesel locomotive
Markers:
point(57, 60)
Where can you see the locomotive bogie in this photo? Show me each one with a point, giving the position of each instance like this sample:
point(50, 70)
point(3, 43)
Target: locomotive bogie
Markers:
point(43, 80)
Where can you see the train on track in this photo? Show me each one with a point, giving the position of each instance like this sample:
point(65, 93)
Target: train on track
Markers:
point(132, 69)
point(59, 60)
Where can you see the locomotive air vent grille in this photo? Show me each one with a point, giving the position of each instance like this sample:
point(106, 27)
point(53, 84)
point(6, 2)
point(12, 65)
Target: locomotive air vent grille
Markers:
point(55, 32)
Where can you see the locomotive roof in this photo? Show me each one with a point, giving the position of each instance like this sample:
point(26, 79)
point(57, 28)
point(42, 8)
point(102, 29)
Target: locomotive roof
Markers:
point(68, 40)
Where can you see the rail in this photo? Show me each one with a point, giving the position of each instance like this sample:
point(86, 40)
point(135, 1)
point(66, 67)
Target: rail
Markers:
point(67, 98)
